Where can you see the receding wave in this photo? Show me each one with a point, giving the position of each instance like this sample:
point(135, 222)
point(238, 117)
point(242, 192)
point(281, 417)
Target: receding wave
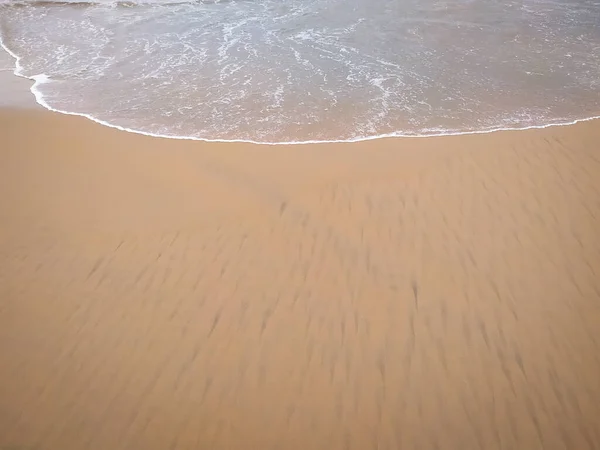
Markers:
point(281, 71)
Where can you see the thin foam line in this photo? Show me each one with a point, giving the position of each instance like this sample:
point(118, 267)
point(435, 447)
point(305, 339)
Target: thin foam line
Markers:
point(43, 78)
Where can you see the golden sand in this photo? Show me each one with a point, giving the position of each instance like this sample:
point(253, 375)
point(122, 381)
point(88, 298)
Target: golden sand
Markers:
point(438, 293)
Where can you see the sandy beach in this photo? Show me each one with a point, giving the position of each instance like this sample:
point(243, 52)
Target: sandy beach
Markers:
point(435, 293)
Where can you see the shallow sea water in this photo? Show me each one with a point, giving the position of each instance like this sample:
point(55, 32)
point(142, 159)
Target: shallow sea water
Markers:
point(311, 70)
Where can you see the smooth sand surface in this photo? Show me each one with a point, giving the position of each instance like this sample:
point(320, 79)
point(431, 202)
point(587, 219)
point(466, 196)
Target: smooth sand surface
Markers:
point(439, 293)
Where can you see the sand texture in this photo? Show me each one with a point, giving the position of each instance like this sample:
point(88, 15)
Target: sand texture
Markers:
point(439, 293)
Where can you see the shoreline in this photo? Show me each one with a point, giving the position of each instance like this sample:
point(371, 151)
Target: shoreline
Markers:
point(15, 90)
point(39, 101)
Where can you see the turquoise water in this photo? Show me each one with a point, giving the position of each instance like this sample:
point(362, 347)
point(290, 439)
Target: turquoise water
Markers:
point(308, 70)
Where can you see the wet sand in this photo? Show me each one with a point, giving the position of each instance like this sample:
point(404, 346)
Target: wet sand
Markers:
point(439, 293)
point(14, 91)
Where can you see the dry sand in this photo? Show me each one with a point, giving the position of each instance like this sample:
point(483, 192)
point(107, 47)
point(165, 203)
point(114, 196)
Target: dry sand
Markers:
point(437, 293)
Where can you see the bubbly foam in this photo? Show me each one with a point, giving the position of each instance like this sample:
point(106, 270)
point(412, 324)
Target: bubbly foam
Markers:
point(252, 98)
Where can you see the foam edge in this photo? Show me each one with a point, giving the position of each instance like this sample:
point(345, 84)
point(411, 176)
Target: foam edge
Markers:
point(43, 78)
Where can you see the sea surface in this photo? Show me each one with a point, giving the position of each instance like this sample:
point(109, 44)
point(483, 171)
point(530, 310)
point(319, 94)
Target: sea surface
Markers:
point(310, 70)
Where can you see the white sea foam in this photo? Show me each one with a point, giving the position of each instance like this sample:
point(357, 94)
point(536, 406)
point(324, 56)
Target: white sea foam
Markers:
point(269, 75)
point(42, 78)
